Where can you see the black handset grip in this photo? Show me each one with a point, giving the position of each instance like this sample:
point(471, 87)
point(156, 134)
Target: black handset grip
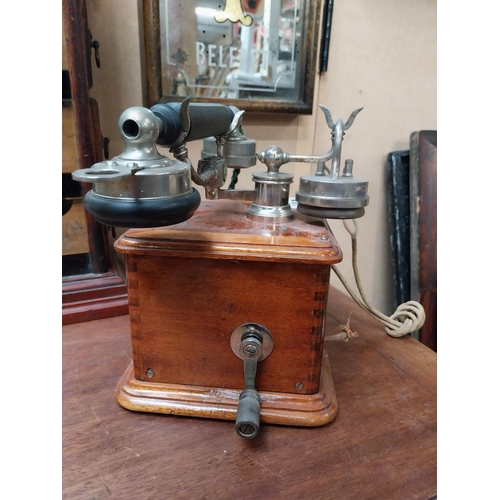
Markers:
point(205, 120)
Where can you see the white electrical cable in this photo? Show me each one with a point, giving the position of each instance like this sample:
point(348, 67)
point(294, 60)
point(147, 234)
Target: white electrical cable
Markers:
point(408, 317)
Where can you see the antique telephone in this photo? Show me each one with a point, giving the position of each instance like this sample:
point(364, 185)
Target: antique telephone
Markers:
point(227, 297)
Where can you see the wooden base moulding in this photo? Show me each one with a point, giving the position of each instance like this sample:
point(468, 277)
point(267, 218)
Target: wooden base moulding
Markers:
point(305, 410)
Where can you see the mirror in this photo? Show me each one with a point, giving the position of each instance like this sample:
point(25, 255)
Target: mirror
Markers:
point(258, 55)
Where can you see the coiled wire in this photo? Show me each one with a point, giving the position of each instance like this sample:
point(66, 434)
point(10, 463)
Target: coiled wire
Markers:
point(407, 318)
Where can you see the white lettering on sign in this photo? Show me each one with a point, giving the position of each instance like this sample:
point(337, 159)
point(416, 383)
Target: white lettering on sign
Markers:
point(200, 53)
point(233, 63)
point(206, 54)
point(211, 55)
point(221, 57)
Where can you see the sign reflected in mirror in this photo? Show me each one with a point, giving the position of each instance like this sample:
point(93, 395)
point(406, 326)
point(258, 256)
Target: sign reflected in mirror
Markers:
point(259, 55)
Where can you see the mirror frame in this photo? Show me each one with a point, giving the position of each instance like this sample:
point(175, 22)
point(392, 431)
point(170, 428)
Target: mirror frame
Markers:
point(309, 47)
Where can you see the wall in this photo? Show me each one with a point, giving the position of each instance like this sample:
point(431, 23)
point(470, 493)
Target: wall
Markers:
point(382, 58)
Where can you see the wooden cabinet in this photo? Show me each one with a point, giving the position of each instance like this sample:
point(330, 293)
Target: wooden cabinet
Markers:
point(91, 287)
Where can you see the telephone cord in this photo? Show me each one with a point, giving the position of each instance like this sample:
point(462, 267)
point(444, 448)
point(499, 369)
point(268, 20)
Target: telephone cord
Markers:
point(408, 317)
point(234, 178)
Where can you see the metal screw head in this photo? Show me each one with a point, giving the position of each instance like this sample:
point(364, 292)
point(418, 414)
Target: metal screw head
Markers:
point(324, 238)
point(150, 373)
point(299, 385)
point(250, 351)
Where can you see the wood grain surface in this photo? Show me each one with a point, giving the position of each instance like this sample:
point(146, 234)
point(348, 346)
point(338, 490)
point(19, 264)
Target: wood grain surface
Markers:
point(423, 162)
point(192, 284)
point(381, 445)
point(220, 230)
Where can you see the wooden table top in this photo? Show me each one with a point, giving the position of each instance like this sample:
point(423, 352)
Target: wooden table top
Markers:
point(382, 444)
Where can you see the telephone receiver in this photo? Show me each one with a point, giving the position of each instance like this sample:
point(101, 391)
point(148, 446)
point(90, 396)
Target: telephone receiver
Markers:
point(143, 188)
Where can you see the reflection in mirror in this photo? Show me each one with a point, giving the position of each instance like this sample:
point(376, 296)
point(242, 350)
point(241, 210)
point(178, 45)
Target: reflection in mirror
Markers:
point(249, 50)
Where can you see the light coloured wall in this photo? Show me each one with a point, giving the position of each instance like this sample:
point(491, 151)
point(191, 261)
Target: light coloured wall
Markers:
point(382, 58)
